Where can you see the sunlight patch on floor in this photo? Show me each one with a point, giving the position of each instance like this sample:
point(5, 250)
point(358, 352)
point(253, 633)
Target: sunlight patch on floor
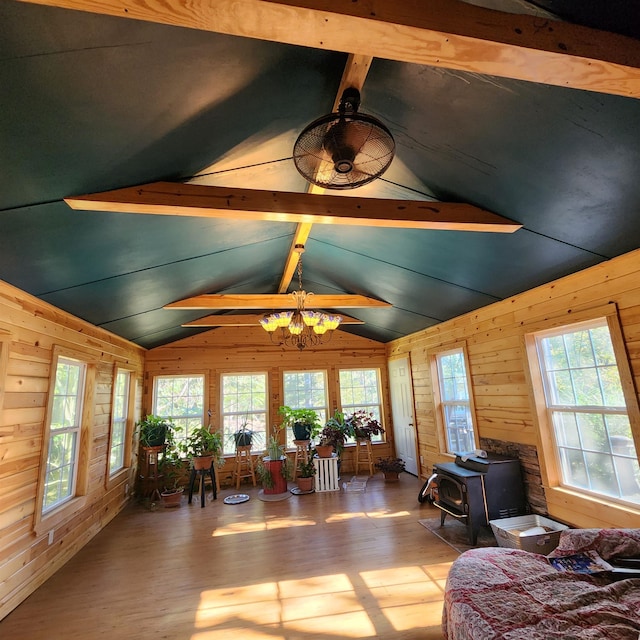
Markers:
point(252, 527)
point(331, 606)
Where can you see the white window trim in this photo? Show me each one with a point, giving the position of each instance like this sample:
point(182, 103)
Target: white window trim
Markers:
point(350, 408)
point(439, 403)
point(222, 413)
point(325, 373)
point(57, 515)
point(558, 495)
point(113, 478)
point(191, 374)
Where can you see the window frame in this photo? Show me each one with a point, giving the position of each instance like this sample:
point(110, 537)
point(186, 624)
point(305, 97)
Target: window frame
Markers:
point(57, 514)
point(348, 409)
point(440, 403)
point(257, 444)
point(113, 477)
point(182, 435)
point(549, 460)
point(289, 435)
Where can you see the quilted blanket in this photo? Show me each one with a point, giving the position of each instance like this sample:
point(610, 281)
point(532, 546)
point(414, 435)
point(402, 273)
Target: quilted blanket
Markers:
point(499, 593)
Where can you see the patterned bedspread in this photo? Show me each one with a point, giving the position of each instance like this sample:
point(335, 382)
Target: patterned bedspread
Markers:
point(499, 593)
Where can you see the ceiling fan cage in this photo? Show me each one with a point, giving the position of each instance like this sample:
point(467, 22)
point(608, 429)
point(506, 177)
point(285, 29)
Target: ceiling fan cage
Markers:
point(344, 150)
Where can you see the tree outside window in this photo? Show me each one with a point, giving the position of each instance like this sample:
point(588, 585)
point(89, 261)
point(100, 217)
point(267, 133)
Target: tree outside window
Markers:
point(306, 390)
point(181, 399)
point(455, 404)
point(588, 413)
point(360, 389)
point(119, 415)
point(64, 433)
point(244, 404)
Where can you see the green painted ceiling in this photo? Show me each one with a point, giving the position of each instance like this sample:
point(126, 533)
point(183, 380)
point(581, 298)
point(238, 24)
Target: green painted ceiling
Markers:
point(92, 103)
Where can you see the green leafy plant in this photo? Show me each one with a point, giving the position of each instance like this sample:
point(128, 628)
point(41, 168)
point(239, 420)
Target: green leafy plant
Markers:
point(153, 430)
point(303, 422)
point(243, 437)
point(265, 476)
point(389, 464)
point(364, 424)
point(172, 468)
point(336, 431)
point(306, 469)
point(202, 442)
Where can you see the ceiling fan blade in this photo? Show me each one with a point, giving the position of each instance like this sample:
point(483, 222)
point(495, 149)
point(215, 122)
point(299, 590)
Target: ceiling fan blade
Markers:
point(247, 320)
point(273, 301)
point(178, 199)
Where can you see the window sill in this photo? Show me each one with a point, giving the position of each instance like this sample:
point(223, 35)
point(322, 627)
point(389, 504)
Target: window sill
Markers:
point(588, 511)
point(55, 518)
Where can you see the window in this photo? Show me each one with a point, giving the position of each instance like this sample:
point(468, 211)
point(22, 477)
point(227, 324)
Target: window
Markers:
point(454, 401)
point(181, 399)
point(306, 390)
point(64, 433)
point(360, 389)
point(587, 411)
point(119, 420)
point(244, 402)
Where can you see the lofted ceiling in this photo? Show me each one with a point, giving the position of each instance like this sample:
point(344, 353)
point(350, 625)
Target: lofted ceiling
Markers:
point(546, 135)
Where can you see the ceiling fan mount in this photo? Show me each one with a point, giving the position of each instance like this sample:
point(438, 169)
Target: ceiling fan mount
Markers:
point(344, 149)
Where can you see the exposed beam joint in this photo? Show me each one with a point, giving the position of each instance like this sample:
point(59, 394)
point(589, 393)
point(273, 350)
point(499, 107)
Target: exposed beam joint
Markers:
point(440, 33)
point(192, 200)
point(274, 301)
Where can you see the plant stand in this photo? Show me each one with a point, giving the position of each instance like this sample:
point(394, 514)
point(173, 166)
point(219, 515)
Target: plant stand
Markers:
point(244, 465)
point(326, 473)
point(150, 475)
point(302, 453)
point(203, 474)
point(279, 481)
point(364, 454)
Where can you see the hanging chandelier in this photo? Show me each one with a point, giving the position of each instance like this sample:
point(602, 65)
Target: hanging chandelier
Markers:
point(300, 328)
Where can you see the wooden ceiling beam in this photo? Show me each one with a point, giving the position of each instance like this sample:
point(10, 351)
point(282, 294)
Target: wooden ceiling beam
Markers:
point(177, 199)
point(245, 320)
point(440, 33)
point(274, 301)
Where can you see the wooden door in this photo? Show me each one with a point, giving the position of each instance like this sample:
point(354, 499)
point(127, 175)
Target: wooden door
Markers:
point(401, 390)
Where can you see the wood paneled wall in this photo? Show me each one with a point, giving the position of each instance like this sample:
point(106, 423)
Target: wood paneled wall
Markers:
point(242, 350)
point(494, 339)
point(30, 330)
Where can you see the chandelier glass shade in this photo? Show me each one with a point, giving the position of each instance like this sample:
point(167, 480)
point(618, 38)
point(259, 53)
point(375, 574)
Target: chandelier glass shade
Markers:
point(303, 327)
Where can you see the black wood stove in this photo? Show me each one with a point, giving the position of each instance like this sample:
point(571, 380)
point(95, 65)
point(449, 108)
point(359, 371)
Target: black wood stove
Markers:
point(475, 490)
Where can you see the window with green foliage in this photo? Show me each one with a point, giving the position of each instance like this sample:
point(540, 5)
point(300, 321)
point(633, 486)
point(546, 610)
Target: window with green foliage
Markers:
point(587, 410)
point(360, 389)
point(64, 433)
point(454, 401)
point(244, 404)
point(306, 390)
point(119, 418)
point(181, 399)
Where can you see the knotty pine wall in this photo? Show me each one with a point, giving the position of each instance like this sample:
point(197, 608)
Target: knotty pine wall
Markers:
point(494, 341)
point(29, 331)
point(248, 349)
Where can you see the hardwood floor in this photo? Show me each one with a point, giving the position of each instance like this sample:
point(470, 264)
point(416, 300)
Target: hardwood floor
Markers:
point(320, 566)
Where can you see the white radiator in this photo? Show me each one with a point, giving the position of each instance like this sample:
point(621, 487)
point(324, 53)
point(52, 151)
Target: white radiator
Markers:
point(326, 474)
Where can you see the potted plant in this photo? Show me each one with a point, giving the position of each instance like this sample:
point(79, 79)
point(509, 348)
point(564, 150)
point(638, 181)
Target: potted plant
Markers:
point(153, 430)
point(334, 434)
point(306, 471)
point(364, 425)
point(274, 469)
point(390, 467)
point(304, 423)
point(243, 437)
point(202, 446)
point(172, 472)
